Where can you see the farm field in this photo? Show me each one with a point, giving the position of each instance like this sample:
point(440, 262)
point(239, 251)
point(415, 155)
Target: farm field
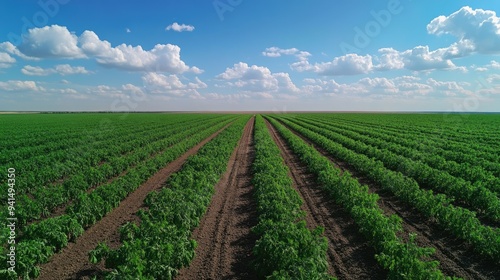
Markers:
point(250, 196)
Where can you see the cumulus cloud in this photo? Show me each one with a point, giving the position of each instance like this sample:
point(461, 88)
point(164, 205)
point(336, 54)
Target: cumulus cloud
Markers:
point(389, 59)
point(58, 42)
point(421, 58)
point(477, 31)
point(493, 78)
point(477, 27)
point(162, 58)
point(349, 64)
point(257, 79)
point(50, 41)
point(172, 85)
point(62, 69)
point(179, 27)
point(9, 48)
point(380, 87)
point(130, 88)
point(493, 65)
point(15, 85)
point(277, 52)
point(6, 60)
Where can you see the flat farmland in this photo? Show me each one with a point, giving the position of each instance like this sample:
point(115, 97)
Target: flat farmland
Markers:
point(250, 196)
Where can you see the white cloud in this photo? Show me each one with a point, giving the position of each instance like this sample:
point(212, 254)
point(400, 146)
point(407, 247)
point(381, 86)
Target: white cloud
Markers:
point(127, 30)
point(277, 52)
point(6, 60)
point(480, 28)
point(349, 64)
point(494, 64)
point(15, 85)
point(162, 58)
point(68, 91)
point(9, 48)
point(66, 69)
point(57, 42)
point(389, 59)
point(180, 27)
point(62, 69)
point(132, 89)
point(493, 78)
point(257, 79)
point(50, 41)
point(35, 71)
point(160, 84)
point(381, 87)
point(420, 58)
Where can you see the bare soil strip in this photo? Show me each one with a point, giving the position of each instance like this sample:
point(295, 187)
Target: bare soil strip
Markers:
point(72, 262)
point(455, 257)
point(224, 236)
point(349, 254)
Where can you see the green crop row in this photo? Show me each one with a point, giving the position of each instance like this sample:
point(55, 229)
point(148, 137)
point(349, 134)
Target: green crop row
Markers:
point(162, 243)
point(402, 260)
point(286, 248)
point(417, 148)
point(459, 221)
point(46, 199)
point(41, 240)
point(477, 197)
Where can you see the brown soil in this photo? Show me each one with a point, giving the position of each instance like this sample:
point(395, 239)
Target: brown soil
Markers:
point(456, 258)
point(72, 262)
point(224, 236)
point(349, 254)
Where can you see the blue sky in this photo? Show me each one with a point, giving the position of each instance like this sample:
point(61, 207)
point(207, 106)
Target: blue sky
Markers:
point(390, 55)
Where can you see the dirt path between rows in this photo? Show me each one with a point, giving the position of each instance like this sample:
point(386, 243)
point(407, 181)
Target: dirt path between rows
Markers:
point(224, 236)
point(455, 257)
point(349, 254)
point(72, 262)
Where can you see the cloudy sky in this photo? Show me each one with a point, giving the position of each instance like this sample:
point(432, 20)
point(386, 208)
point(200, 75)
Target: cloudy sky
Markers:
point(387, 55)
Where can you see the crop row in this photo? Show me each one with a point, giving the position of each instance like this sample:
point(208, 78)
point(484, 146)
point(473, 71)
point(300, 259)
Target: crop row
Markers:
point(440, 131)
point(474, 164)
point(46, 199)
point(41, 240)
point(286, 249)
point(79, 136)
point(458, 221)
point(476, 197)
point(402, 260)
point(162, 243)
point(58, 165)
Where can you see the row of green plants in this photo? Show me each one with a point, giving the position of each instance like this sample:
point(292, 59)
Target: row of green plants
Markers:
point(475, 196)
point(45, 169)
point(459, 221)
point(468, 165)
point(162, 244)
point(58, 140)
point(45, 199)
point(41, 240)
point(286, 248)
point(403, 260)
point(439, 132)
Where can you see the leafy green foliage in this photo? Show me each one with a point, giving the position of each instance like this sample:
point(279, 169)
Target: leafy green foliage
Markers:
point(286, 249)
point(403, 260)
point(162, 243)
point(459, 221)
